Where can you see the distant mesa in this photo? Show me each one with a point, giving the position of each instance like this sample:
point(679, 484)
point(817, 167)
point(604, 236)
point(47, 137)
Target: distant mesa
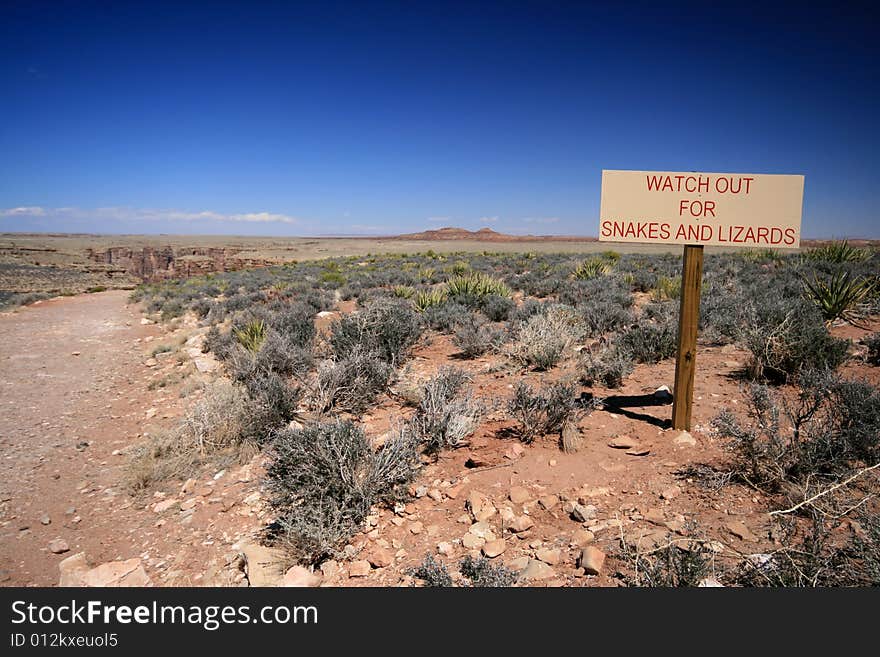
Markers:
point(483, 235)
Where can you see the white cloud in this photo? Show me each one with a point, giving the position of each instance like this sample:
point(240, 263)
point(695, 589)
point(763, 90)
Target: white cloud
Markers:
point(541, 220)
point(23, 212)
point(439, 220)
point(146, 214)
point(488, 220)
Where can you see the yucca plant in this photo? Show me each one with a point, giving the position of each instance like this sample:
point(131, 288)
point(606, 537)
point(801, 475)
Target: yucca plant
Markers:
point(838, 252)
point(841, 297)
point(403, 292)
point(477, 285)
point(592, 268)
point(252, 335)
point(425, 299)
point(426, 274)
point(667, 288)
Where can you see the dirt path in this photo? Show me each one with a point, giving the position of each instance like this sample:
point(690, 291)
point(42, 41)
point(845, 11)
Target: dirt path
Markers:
point(75, 394)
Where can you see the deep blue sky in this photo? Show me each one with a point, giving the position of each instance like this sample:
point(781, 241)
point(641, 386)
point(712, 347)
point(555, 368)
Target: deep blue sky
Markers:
point(273, 118)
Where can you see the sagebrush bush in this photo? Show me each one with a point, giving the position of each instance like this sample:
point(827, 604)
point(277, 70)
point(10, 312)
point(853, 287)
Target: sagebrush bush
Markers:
point(541, 341)
point(432, 573)
point(218, 422)
point(538, 413)
point(387, 327)
point(445, 317)
point(474, 337)
point(351, 383)
point(481, 573)
point(496, 307)
point(872, 342)
point(786, 336)
point(445, 414)
point(828, 427)
point(324, 478)
point(609, 367)
point(648, 342)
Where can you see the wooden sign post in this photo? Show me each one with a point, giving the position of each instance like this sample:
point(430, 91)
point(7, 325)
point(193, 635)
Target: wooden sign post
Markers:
point(696, 210)
point(688, 322)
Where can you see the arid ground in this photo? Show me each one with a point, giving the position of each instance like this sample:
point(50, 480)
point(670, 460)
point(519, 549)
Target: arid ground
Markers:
point(89, 379)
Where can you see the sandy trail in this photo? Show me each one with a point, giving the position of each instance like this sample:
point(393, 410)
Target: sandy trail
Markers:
point(71, 384)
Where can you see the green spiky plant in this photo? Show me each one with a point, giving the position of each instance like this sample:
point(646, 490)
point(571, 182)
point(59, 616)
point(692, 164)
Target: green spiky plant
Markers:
point(838, 252)
point(477, 285)
point(425, 299)
point(592, 268)
point(252, 335)
point(840, 297)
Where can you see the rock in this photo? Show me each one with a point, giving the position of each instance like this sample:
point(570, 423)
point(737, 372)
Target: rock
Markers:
point(262, 564)
point(300, 577)
point(205, 365)
point(548, 502)
point(537, 570)
point(151, 362)
point(453, 491)
point(514, 452)
point(330, 568)
point(379, 557)
point(738, 529)
point(521, 524)
point(519, 495)
point(583, 512)
point(145, 321)
point(655, 516)
point(472, 542)
point(58, 546)
point(710, 582)
point(188, 486)
point(72, 570)
point(494, 548)
point(416, 527)
point(582, 537)
point(550, 556)
point(480, 506)
point(663, 394)
point(480, 529)
point(670, 493)
point(45, 519)
point(75, 353)
point(151, 413)
point(164, 505)
point(435, 495)
point(519, 564)
point(591, 560)
point(420, 491)
point(446, 548)
point(359, 568)
point(623, 442)
point(117, 574)
point(188, 504)
point(638, 451)
point(685, 438)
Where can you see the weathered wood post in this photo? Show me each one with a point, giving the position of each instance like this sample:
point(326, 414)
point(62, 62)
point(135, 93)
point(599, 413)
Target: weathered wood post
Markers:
point(688, 323)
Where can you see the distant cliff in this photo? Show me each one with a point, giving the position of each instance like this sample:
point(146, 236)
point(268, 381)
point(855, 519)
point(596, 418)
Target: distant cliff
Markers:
point(152, 264)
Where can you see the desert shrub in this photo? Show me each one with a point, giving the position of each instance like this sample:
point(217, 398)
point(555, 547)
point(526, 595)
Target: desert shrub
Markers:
point(601, 317)
point(273, 403)
point(216, 423)
point(351, 383)
point(445, 415)
point(324, 478)
point(295, 322)
point(648, 342)
point(786, 336)
point(608, 368)
point(541, 341)
point(387, 327)
point(432, 573)
point(872, 342)
point(475, 337)
point(541, 412)
point(481, 573)
point(496, 307)
point(670, 566)
point(528, 309)
point(842, 296)
point(445, 317)
point(279, 354)
point(830, 425)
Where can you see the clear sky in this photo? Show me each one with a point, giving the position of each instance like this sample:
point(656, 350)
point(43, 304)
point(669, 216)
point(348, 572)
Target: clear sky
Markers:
point(365, 118)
